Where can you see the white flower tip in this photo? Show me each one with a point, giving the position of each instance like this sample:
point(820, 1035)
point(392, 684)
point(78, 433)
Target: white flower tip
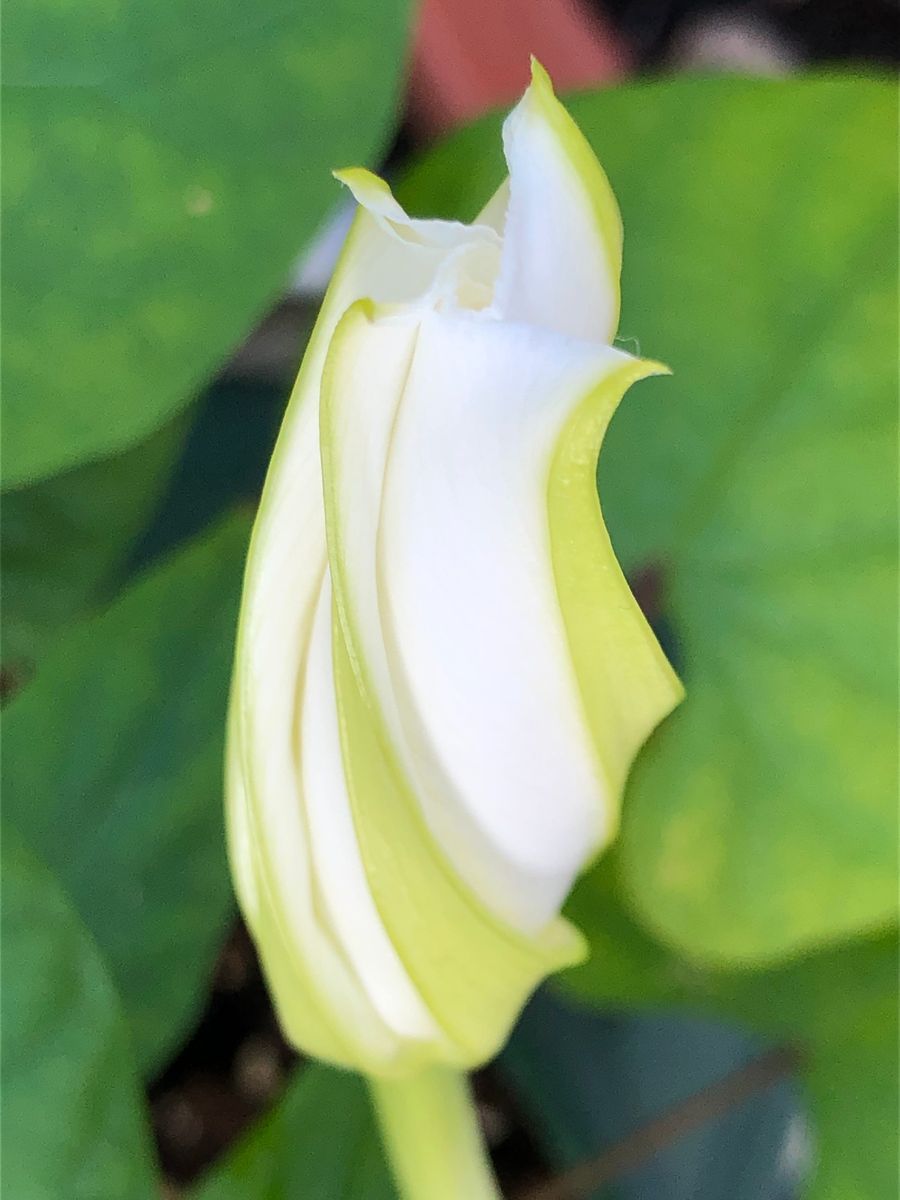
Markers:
point(540, 80)
point(438, 698)
point(371, 192)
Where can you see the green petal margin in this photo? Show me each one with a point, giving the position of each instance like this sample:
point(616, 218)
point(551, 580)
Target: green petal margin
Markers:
point(627, 684)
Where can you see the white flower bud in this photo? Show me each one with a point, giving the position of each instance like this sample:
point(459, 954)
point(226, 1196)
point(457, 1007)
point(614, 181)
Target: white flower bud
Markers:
point(441, 676)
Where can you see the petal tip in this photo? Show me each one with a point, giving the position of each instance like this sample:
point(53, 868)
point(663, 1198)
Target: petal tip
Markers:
point(651, 367)
point(348, 175)
point(371, 191)
point(540, 79)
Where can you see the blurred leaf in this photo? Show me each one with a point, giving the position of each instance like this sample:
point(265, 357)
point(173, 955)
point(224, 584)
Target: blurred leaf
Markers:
point(224, 462)
point(319, 1142)
point(163, 165)
point(589, 1080)
point(853, 1090)
point(64, 538)
point(839, 1005)
point(807, 997)
point(73, 1122)
point(112, 769)
point(761, 264)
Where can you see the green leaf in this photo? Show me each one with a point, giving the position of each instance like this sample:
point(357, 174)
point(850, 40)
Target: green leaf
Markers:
point(319, 1142)
point(73, 1122)
point(162, 167)
point(807, 997)
point(223, 463)
point(839, 1005)
point(64, 539)
point(586, 1080)
point(760, 263)
point(853, 1088)
point(112, 770)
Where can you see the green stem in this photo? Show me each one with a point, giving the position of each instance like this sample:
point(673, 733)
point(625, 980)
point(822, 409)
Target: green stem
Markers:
point(430, 1129)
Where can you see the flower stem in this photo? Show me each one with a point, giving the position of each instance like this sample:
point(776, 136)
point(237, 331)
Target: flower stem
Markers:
point(434, 1144)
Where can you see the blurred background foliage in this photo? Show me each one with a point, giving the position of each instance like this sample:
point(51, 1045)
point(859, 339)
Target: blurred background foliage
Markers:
point(162, 172)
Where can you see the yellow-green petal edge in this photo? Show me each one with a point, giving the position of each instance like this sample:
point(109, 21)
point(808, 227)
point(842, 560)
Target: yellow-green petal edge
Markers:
point(626, 682)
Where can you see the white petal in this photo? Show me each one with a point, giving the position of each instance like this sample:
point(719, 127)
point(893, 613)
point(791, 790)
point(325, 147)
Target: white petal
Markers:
point(340, 878)
point(445, 436)
point(471, 613)
point(364, 382)
point(285, 568)
point(430, 243)
point(318, 997)
point(494, 212)
point(562, 240)
point(287, 554)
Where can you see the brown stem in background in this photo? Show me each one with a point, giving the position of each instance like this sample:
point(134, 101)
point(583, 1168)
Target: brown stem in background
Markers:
point(637, 1148)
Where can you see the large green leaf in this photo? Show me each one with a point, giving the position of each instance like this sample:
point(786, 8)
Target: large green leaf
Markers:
point(319, 1142)
point(112, 770)
point(840, 1006)
point(760, 263)
point(64, 539)
point(223, 464)
point(73, 1120)
point(162, 164)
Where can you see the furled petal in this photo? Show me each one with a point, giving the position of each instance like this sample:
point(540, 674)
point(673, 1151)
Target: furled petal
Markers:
point(342, 886)
point(562, 241)
point(268, 837)
point(627, 684)
point(471, 615)
point(472, 970)
point(458, 623)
